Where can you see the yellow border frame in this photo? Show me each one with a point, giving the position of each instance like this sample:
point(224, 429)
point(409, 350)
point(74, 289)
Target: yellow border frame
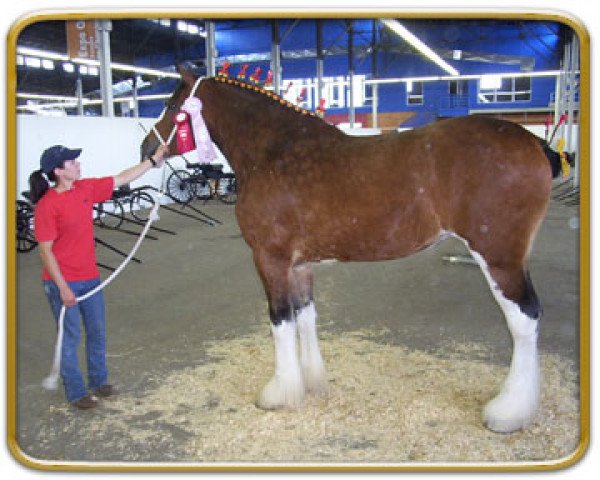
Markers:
point(584, 240)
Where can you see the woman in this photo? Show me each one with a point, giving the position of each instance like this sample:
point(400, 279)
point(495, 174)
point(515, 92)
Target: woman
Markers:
point(65, 233)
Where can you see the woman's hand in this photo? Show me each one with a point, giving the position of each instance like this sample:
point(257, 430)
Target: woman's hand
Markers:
point(133, 173)
point(68, 297)
point(159, 156)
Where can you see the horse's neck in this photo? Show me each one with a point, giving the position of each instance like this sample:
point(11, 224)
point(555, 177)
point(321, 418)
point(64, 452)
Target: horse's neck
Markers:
point(237, 136)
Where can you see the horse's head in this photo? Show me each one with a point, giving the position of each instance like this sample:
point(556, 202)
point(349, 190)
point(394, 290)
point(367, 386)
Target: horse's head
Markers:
point(163, 128)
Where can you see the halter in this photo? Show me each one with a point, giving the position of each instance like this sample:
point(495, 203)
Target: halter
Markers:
point(174, 129)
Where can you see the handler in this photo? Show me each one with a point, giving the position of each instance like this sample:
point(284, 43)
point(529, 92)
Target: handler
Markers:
point(65, 233)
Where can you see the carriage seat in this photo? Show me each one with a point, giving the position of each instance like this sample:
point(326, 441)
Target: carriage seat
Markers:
point(207, 167)
point(122, 191)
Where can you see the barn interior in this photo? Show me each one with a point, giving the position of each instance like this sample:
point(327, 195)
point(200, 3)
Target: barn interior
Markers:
point(414, 347)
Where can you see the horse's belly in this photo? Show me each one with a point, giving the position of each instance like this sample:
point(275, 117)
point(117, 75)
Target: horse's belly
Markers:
point(373, 239)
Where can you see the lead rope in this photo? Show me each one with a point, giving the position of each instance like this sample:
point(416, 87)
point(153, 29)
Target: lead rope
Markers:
point(51, 381)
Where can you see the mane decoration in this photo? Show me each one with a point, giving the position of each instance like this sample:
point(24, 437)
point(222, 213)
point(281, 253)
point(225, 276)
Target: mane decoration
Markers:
point(224, 78)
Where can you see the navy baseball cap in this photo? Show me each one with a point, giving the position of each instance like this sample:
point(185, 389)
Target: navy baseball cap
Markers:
point(55, 156)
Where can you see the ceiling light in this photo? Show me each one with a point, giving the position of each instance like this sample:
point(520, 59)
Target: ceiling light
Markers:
point(39, 96)
point(41, 53)
point(95, 63)
point(400, 30)
point(33, 62)
point(144, 70)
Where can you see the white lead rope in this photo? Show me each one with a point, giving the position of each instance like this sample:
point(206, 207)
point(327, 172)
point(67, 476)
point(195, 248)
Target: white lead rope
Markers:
point(51, 381)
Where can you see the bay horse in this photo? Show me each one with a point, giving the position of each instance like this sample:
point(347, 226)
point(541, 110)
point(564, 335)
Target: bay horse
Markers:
point(482, 180)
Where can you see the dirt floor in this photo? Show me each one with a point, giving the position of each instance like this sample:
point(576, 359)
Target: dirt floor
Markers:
point(414, 348)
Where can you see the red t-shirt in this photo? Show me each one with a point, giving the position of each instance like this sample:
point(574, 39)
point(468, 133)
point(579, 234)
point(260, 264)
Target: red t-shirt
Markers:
point(66, 218)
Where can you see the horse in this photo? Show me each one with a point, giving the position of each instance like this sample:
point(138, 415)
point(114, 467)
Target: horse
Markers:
point(484, 181)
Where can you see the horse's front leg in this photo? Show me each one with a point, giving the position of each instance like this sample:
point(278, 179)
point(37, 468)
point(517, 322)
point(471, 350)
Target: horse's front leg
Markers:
point(286, 387)
point(313, 370)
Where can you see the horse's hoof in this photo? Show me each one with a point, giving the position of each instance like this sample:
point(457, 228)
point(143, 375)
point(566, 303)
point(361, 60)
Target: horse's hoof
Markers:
point(277, 395)
point(505, 414)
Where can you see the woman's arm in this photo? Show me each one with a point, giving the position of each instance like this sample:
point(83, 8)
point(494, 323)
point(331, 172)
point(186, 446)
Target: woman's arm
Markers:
point(133, 173)
point(49, 260)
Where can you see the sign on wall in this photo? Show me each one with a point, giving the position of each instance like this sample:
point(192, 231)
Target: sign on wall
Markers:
point(82, 40)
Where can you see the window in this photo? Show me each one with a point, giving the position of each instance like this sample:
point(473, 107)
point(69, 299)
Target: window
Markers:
point(336, 92)
point(458, 87)
point(494, 89)
point(414, 93)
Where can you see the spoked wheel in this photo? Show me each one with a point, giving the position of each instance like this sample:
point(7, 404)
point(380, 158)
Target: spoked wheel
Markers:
point(25, 236)
point(109, 213)
point(227, 191)
point(180, 186)
point(141, 205)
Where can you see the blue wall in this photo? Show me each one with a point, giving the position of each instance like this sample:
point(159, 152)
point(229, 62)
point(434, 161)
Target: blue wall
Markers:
point(538, 41)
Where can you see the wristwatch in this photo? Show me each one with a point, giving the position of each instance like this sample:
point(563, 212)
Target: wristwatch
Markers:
point(152, 161)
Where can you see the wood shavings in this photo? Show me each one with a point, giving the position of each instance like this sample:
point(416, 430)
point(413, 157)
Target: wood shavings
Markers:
point(385, 404)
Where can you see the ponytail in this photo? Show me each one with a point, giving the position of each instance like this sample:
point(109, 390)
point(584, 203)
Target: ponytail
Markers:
point(38, 185)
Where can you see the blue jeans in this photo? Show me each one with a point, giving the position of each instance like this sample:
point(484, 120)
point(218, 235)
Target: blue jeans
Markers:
point(92, 313)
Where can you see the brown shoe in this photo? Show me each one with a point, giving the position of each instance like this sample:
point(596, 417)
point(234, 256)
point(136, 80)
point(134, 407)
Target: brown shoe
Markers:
point(89, 401)
point(105, 391)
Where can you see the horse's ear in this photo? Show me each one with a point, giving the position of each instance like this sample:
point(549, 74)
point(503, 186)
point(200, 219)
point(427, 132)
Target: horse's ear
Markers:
point(186, 72)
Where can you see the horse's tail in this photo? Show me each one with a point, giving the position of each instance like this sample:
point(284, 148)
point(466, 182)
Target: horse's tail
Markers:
point(554, 158)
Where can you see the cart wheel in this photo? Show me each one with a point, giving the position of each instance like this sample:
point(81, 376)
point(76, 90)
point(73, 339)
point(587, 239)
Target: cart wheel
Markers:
point(109, 213)
point(180, 186)
point(227, 191)
point(25, 236)
point(141, 205)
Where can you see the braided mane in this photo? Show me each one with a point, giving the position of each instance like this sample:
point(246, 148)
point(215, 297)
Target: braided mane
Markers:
point(268, 93)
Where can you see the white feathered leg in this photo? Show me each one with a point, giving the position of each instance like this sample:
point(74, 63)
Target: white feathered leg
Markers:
point(286, 388)
point(313, 371)
point(517, 402)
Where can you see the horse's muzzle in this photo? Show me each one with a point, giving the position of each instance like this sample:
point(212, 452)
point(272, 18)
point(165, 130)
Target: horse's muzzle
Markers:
point(149, 146)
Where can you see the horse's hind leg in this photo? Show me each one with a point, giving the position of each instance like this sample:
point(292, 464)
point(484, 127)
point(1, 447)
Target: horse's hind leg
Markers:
point(286, 387)
point(517, 402)
point(313, 371)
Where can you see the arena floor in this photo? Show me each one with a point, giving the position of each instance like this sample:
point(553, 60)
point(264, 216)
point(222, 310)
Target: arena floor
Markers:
point(414, 348)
